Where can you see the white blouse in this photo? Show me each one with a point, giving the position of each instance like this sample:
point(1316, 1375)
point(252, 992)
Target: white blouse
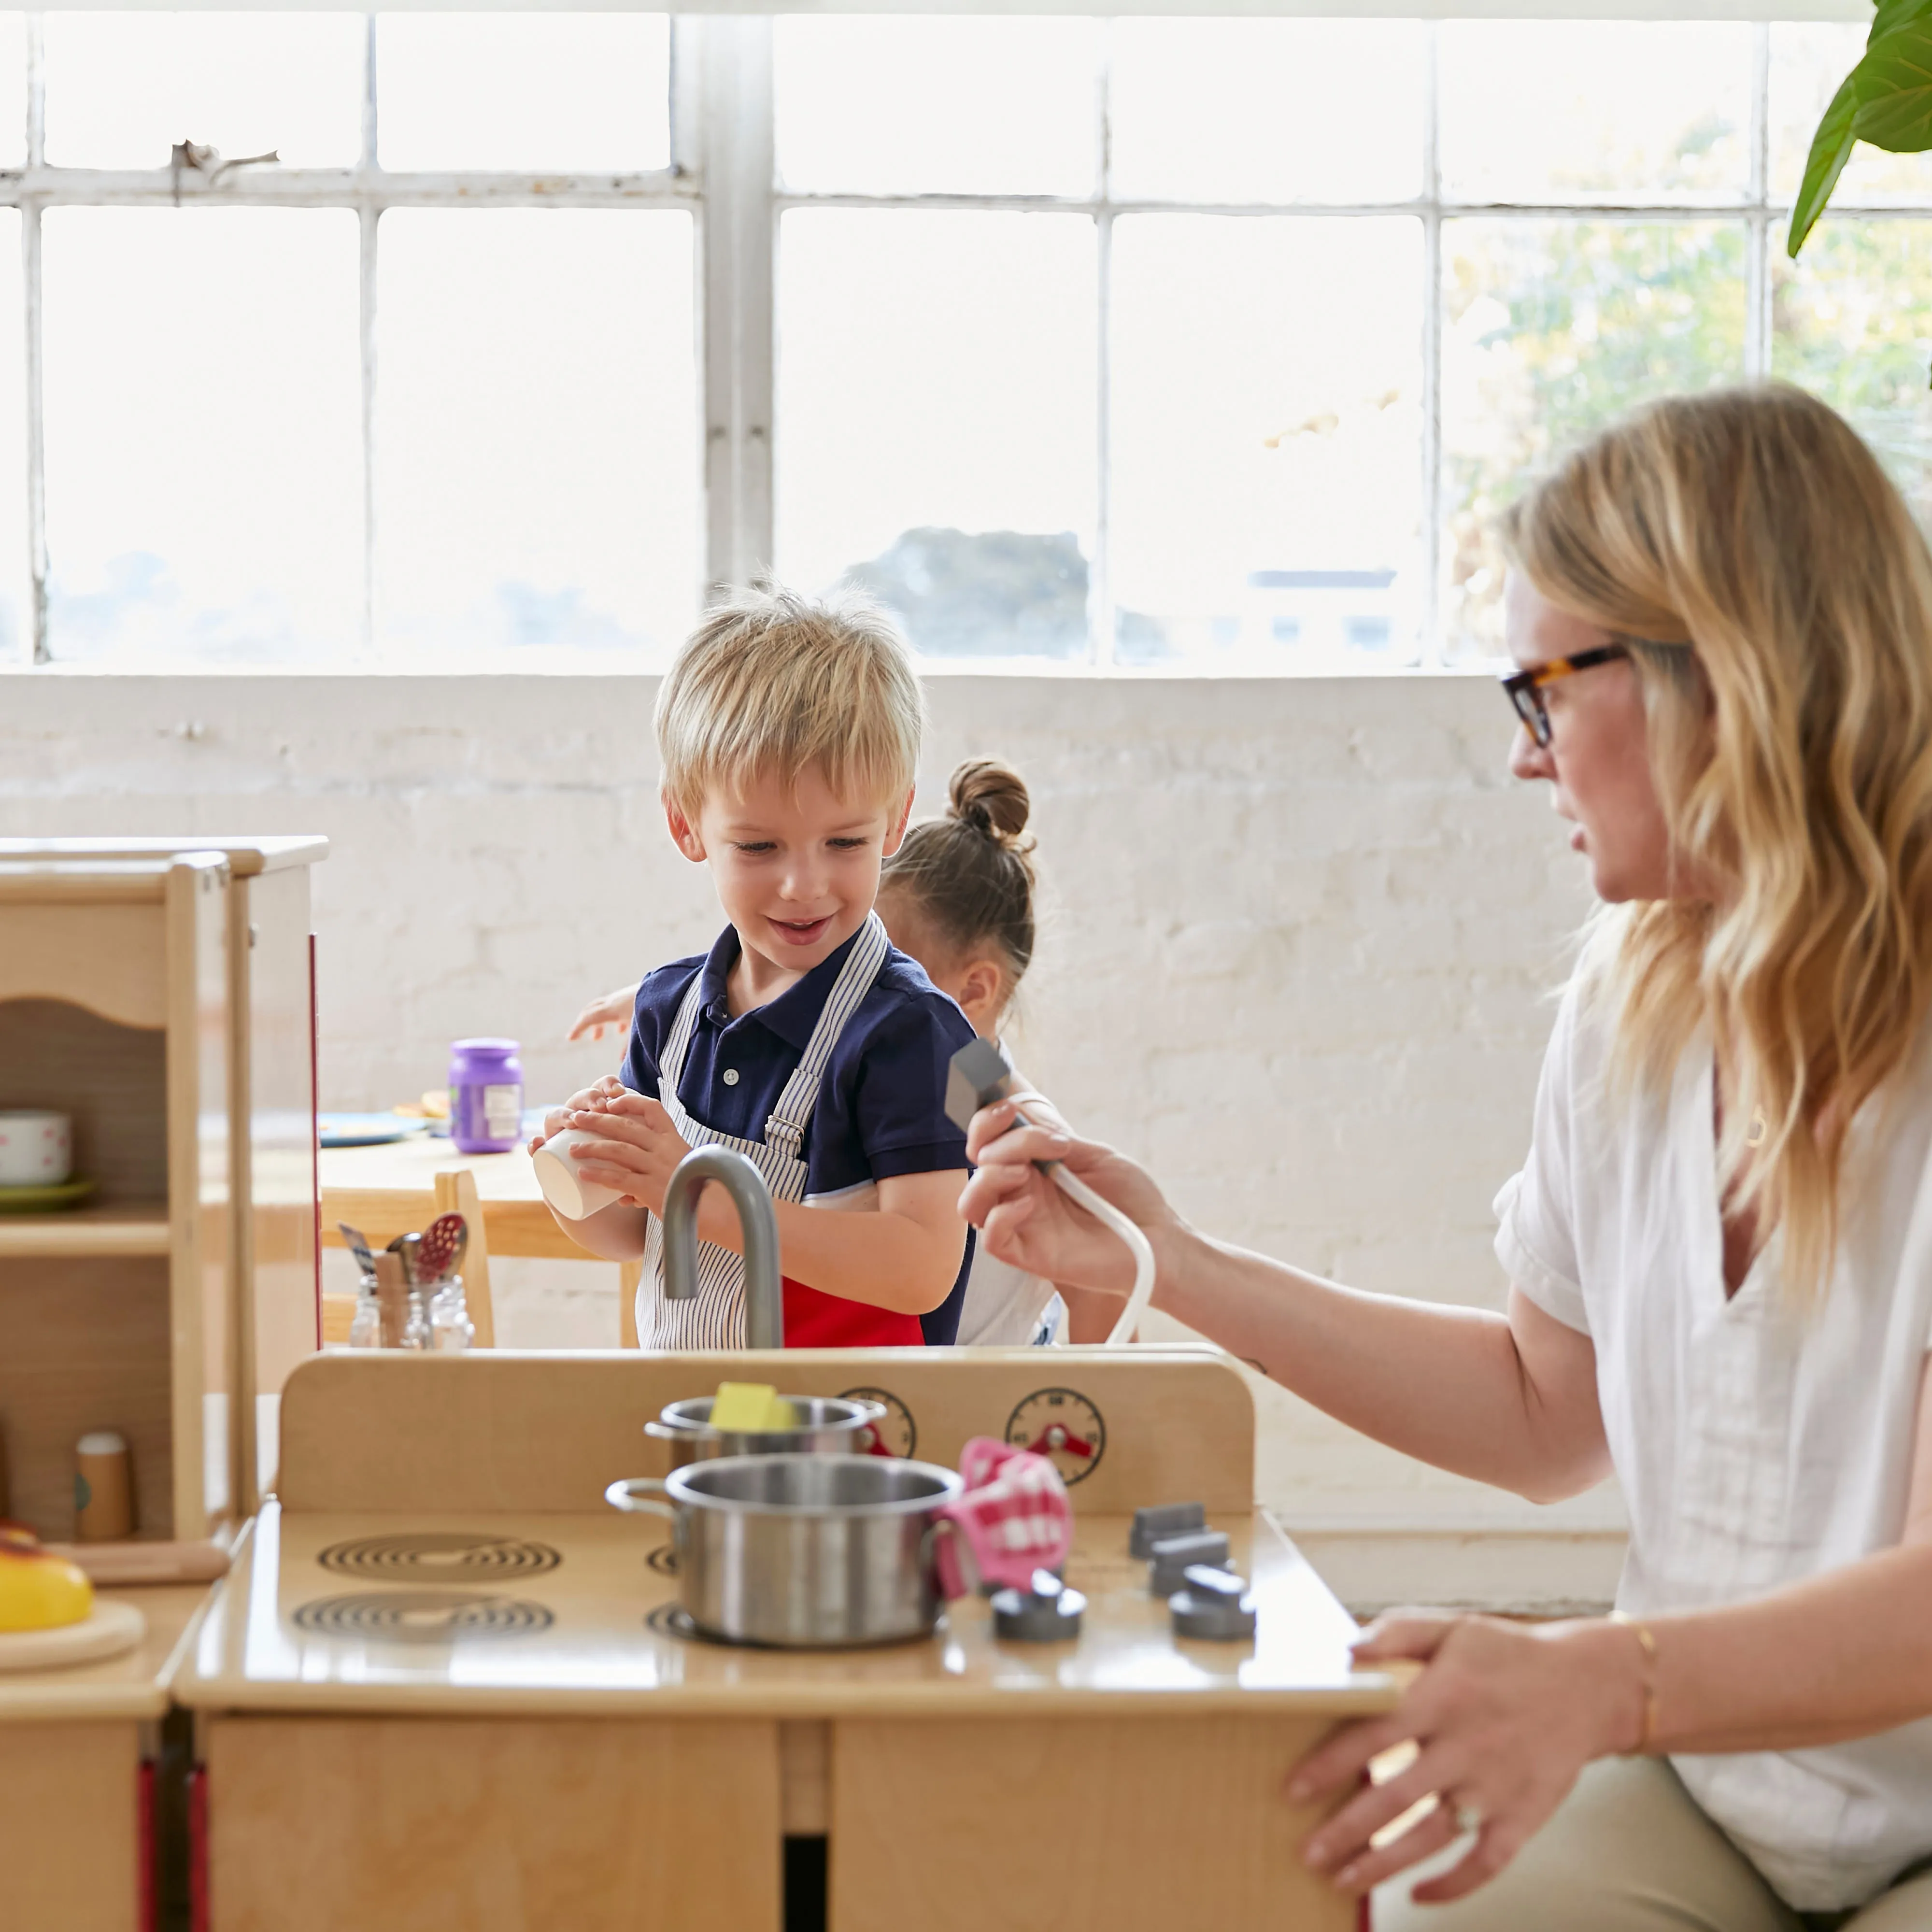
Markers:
point(1756, 1445)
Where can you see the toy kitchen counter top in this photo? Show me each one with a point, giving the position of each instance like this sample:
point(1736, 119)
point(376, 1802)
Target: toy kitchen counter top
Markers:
point(441, 1676)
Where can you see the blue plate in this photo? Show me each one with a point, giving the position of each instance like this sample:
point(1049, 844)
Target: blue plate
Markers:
point(348, 1130)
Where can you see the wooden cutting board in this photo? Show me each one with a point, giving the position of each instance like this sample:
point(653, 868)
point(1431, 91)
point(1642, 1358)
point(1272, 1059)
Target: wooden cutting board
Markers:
point(111, 1629)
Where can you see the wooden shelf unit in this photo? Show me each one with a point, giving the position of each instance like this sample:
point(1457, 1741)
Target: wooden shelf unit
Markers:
point(159, 991)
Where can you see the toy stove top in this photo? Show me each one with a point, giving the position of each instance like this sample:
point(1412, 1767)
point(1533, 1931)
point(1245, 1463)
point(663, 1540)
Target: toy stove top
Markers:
point(579, 1613)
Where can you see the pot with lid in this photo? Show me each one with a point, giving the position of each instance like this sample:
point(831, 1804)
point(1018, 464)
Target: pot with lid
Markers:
point(803, 1551)
point(822, 1425)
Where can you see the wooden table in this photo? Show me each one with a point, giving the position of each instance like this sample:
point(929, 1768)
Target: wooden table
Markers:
point(381, 1190)
point(74, 1812)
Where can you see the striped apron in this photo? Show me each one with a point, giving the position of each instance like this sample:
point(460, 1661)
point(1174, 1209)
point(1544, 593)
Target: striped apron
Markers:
point(715, 1318)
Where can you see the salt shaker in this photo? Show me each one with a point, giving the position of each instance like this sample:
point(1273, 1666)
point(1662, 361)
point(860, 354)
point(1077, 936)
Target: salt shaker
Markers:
point(366, 1330)
point(450, 1328)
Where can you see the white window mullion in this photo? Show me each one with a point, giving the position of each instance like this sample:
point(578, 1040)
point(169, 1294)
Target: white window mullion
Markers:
point(1757, 271)
point(368, 215)
point(739, 331)
point(34, 642)
point(1432, 641)
point(1102, 636)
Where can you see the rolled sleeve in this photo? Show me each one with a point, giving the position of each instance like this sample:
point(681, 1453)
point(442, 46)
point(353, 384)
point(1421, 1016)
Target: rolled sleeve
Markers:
point(1547, 1285)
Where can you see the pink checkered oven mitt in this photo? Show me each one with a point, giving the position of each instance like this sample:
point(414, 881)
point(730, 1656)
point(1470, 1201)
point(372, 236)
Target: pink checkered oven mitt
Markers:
point(1013, 1520)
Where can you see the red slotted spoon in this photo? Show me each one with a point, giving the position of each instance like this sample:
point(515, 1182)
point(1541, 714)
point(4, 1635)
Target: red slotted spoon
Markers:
point(443, 1242)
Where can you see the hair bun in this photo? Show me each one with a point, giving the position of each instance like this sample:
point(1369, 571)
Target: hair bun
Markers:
point(989, 795)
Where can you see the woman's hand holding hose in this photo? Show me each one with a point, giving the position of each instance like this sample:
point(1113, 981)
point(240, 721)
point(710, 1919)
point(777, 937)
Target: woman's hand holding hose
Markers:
point(1029, 1222)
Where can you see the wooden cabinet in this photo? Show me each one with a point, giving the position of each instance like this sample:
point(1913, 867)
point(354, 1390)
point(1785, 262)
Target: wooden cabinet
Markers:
point(158, 991)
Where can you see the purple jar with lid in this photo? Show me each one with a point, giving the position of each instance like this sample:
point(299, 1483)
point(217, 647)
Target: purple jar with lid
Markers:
point(486, 1095)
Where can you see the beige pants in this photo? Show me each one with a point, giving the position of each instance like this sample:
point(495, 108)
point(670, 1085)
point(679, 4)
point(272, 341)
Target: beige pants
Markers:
point(1629, 1851)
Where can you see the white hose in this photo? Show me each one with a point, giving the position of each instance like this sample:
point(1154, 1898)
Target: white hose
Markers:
point(1109, 1216)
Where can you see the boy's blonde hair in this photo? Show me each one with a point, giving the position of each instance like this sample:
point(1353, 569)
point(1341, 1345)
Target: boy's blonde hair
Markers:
point(772, 683)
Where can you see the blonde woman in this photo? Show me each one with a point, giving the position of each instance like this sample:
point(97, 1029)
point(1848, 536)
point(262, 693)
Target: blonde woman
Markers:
point(1719, 1247)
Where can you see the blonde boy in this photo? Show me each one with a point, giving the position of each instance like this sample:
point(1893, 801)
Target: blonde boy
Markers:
point(788, 731)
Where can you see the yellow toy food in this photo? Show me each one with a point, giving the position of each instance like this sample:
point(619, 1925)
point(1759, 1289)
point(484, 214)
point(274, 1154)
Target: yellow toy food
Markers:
point(750, 1407)
point(38, 1591)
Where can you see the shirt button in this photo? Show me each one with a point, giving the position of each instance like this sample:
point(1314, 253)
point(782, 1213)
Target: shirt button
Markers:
point(730, 1076)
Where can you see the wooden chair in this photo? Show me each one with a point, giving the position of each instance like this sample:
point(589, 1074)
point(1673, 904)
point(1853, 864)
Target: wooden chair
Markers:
point(454, 1192)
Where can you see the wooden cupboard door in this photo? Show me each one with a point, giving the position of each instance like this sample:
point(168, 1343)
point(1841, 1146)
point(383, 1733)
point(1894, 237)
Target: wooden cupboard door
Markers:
point(511, 1825)
point(70, 1827)
point(1082, 1825)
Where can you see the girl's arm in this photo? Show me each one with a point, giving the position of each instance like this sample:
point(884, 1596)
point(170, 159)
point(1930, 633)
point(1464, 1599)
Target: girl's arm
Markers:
point(905, 1257)
point(1506, 1715)
point(1508, 1400)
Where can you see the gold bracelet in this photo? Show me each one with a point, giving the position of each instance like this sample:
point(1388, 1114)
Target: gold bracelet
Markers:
point(1642, 1632)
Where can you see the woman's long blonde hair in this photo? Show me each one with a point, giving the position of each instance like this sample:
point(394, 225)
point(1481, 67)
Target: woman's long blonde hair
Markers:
point(1791, 746)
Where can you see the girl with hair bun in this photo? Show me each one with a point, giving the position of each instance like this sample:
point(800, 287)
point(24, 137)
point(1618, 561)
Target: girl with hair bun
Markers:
point(958, 896)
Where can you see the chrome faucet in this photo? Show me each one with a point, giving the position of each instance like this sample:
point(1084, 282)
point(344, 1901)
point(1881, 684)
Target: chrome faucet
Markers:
point(764, 1287)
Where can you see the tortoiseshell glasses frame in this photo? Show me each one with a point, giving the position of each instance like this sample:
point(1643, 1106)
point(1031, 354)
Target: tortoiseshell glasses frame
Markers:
point(1524, 688)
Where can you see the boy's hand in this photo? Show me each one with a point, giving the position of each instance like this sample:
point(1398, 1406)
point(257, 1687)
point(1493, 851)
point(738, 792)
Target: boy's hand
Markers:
point(637, 1150)
point(605, 1015)
point(593, 1099)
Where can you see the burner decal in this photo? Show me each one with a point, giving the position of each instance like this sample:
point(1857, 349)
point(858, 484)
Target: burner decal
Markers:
point(439, 1556)
point(663, 1559)
point(422, 1616)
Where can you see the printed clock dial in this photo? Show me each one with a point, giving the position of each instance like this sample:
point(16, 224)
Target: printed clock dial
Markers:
point(895, 1433)
point(1063, 1426)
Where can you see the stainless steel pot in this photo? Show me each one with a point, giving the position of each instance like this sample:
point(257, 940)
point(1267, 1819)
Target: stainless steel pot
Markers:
point(828, 1552)
point(826, 1425)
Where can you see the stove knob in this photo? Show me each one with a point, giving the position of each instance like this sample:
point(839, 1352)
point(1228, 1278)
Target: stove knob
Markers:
point(1172, 1555)
point(1216, 1606)
point(1163, 1519)
point(1048, 1612)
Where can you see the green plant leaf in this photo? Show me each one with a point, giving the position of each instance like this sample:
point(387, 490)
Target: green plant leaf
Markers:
point(1893, 14)
point(1830, 149)
point(1893, 86)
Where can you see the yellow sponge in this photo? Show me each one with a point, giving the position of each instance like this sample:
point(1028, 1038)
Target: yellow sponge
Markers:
point(38, 1591)
point(748, 1407)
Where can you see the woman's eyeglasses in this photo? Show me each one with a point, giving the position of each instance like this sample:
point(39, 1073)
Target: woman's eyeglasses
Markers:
point(1524, 688)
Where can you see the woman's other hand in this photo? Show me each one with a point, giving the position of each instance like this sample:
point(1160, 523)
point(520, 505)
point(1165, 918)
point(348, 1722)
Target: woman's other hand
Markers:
point(593, 1099)
point(1503, 1717)
point(605, 1015)
point(1029, 1223)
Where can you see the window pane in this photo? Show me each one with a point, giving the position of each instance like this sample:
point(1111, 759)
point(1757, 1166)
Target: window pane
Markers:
point(13, 90)
point(1574, 110)
point(15, 621)
point(1266, 440)
point(1267, 110)
point(928, 105)
point(523, 91)
point(1550, 329)
point(204, 461)
point(1807, 62)
point(937, 391)
point(1852, 322)
point(536, 436)
point(122, 88)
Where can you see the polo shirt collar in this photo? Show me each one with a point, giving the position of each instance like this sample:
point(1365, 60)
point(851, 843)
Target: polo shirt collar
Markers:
point(793, 1014)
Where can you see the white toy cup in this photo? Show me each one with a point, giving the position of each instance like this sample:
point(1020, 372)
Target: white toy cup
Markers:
point(36, 1149)
point(556, 1164)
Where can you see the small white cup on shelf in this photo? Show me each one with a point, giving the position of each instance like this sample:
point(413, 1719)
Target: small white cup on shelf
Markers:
point(36, 1149)
point(573, 1197)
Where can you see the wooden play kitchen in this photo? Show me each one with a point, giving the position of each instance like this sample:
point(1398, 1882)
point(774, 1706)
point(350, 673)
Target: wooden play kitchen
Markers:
point(445, 1684)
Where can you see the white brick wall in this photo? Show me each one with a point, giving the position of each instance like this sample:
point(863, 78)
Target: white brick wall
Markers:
point(1297, 934)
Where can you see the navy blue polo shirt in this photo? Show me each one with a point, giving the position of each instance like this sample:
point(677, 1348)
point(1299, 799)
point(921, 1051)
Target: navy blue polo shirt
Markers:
point(881, 1107)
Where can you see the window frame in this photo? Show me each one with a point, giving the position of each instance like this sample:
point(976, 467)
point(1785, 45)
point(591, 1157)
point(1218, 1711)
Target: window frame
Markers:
point(723, 170)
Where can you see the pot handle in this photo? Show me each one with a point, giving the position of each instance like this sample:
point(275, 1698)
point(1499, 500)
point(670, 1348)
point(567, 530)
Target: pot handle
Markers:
point(661, 1431)
point(627, 1494)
